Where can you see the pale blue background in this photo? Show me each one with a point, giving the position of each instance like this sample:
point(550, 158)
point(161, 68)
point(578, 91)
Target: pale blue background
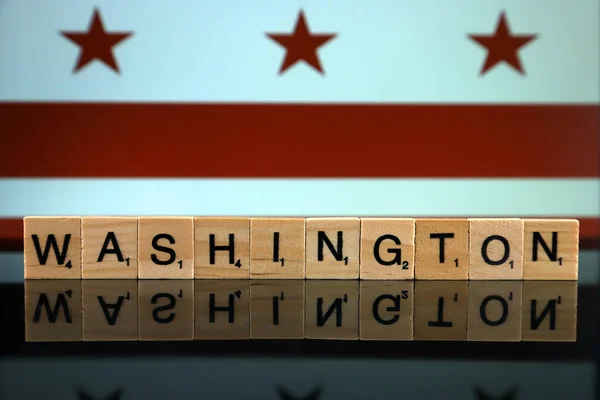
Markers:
point(386, 51)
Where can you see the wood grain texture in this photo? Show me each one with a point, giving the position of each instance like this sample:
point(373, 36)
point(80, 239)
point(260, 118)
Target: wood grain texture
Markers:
point(442, 249)
point(166, 247)
point(109, 247)
point(222, 310)
point(52, 247)
point(387, 248)
point(441, 310)
point(332, 248)
point(228, 257)
point(551, 249)
point(332, 309)
point(110, 310)
point(549, 311)
point(53, 311)
point(166, 309)
point(495, 309)
point(277, 248)
point(277, 309)
point(496, 249)
point(386, 310)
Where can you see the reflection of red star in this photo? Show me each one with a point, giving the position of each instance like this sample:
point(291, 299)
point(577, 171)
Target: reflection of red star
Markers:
point(96, 43)
point(502, 46)
point(301, 45)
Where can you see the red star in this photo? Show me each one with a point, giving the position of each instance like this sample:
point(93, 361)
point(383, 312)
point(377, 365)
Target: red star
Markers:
point(502, 46)
point(301, 45)
point(96, 43)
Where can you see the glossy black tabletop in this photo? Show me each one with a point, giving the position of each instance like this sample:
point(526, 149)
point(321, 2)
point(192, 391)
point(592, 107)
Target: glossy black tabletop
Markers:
point(299, 339)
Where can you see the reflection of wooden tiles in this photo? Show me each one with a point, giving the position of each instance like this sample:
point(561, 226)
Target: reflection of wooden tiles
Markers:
point(495, 311)
point(295, 309)
point(332, 310)
point(53, 311)
point(277, 309)
point(549, 311)
point(166, 309)
point(300, 248)
point(386, 310)
point(110, 310)
point(222, 309)
point(441, 310)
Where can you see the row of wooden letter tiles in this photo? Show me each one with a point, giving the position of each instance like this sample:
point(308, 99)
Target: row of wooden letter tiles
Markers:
point(92, 310)
point(300, 248)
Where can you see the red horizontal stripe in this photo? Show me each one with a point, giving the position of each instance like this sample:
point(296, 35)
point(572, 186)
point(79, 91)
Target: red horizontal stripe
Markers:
point(269, 140)
point(11, 234)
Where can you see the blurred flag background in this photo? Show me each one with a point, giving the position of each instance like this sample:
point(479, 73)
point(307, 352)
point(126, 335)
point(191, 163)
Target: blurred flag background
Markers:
point(264, 107)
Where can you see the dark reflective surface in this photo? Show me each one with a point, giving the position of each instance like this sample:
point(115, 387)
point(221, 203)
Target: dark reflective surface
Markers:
point(299, 339)
point(180, 310)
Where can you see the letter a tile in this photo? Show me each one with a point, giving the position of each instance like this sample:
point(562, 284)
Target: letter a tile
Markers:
point(109, 248)
point(52, 247)
point(496, 249)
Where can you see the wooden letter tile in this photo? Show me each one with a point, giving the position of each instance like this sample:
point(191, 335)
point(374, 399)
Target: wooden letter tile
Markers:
point(332, 248)
point(166, 247)
point(550, 311)
point(52, 311)
point(442, 249)
point(495, 311)
point(551, 249)
point(109, 247)
point(332, 310)
point(222, 310)
point(386, 310)
point(441, 310)
point(166, 309)
point(110, 310)
point(387, 248)
point(496, 249)
point(52, 247)
point(277, 248)
point(222, 247)
point(277, 309)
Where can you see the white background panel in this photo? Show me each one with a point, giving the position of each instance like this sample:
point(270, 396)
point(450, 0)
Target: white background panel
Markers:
point(386, 51)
